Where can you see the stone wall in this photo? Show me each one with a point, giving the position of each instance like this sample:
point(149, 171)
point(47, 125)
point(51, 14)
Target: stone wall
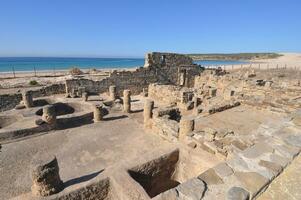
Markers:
point(9, 101)
point(168, 59)
point(156, 70)
point(168, 94)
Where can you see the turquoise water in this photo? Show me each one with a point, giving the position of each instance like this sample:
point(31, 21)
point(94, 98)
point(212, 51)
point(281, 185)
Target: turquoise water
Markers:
point(220, 62)
point(28, 64)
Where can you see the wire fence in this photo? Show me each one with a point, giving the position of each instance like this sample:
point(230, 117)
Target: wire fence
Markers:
point(35, 72)
point(257, 66)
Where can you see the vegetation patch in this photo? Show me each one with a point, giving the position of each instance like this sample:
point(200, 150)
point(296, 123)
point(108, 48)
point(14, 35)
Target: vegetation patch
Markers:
point(234, 56)
point(33, 83)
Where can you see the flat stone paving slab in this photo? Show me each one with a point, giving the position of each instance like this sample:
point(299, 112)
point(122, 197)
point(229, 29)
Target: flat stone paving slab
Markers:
point(287, 185)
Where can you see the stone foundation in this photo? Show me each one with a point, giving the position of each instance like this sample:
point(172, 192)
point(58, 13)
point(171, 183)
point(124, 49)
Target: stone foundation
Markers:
point(46, 177)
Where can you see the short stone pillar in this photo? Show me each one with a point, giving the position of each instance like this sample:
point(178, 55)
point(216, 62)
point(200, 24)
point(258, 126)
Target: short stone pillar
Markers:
point(67, 95)
point(49, 114)
point(73, 93)
point(127, 101)
point(186, 127)
point(27, 99)
point(212, 92)
point(45, 177)
point(81, 91)
point(98, 113)
point(113, 92)
point(144, 92)
point(195, 102)
point(85, 96)
point(148, 112)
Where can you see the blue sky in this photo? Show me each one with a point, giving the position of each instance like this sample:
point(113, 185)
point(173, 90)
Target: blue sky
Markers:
point(129, 28)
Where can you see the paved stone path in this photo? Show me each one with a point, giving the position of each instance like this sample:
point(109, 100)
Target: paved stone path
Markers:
point(287, 185)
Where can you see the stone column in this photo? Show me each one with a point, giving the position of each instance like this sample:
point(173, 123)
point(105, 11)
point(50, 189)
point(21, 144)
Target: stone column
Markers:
point(49, 114)
point(186, 127)
point(27, 99)
point(98, 113)
point(73, 93)
point(148, 112)
point(81, 91)
point(127, 101)
point(144, 92)
point(67, 95)
point(113, 92)
point(45, 177)
point(195, 102)
point(85, 96)
point(212, 92)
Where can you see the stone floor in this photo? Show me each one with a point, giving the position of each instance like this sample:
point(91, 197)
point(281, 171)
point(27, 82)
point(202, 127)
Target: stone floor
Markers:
point(84, 152)
point(287, 185)
point(243, 120)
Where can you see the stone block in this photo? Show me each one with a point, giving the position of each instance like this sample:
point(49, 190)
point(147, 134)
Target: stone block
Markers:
point(252, 182)
point(237, 193)
point(210, 177)
point(274, 167)
point(223, 170)
point(257, 150)
point(193, 189)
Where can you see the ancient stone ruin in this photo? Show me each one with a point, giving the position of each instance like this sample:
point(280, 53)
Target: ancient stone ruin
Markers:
point(170, 130)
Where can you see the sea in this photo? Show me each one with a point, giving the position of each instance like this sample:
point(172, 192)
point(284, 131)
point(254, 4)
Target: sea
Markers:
point(8, 64)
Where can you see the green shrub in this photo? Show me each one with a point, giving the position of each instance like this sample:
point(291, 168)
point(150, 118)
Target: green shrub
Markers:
point(33, 82)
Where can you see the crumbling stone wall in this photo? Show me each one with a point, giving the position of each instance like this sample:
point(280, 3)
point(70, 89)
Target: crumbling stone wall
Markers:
point(168, 94)
point(166, 59)
point(164, 68)
point(9, 101)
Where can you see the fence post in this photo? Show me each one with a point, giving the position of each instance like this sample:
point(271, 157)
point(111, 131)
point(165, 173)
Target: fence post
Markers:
point(35, 72)
point(259, 66)
point(14, 71)
point(53, 70)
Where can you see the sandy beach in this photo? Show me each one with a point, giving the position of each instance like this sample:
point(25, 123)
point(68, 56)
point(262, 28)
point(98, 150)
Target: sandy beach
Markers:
point(287, 60)
point(9, 83)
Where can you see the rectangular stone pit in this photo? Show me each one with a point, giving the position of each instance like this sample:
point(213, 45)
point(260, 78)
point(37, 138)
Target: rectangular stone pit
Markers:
point(165, 173)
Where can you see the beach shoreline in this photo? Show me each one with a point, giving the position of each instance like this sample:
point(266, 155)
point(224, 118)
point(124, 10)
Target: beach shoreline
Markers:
point(46, 77)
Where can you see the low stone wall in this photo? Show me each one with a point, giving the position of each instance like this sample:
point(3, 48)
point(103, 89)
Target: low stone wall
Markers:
point(9, 101)
point(49, 90)
point(95, 190)
point(165, 123)
point(163, 68)
point(168, 94)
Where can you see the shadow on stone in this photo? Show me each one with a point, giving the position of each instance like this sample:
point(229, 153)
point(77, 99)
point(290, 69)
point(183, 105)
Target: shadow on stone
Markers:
point(115, 118)
point(137, 111)
point(82, 179)
point(40, 102)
